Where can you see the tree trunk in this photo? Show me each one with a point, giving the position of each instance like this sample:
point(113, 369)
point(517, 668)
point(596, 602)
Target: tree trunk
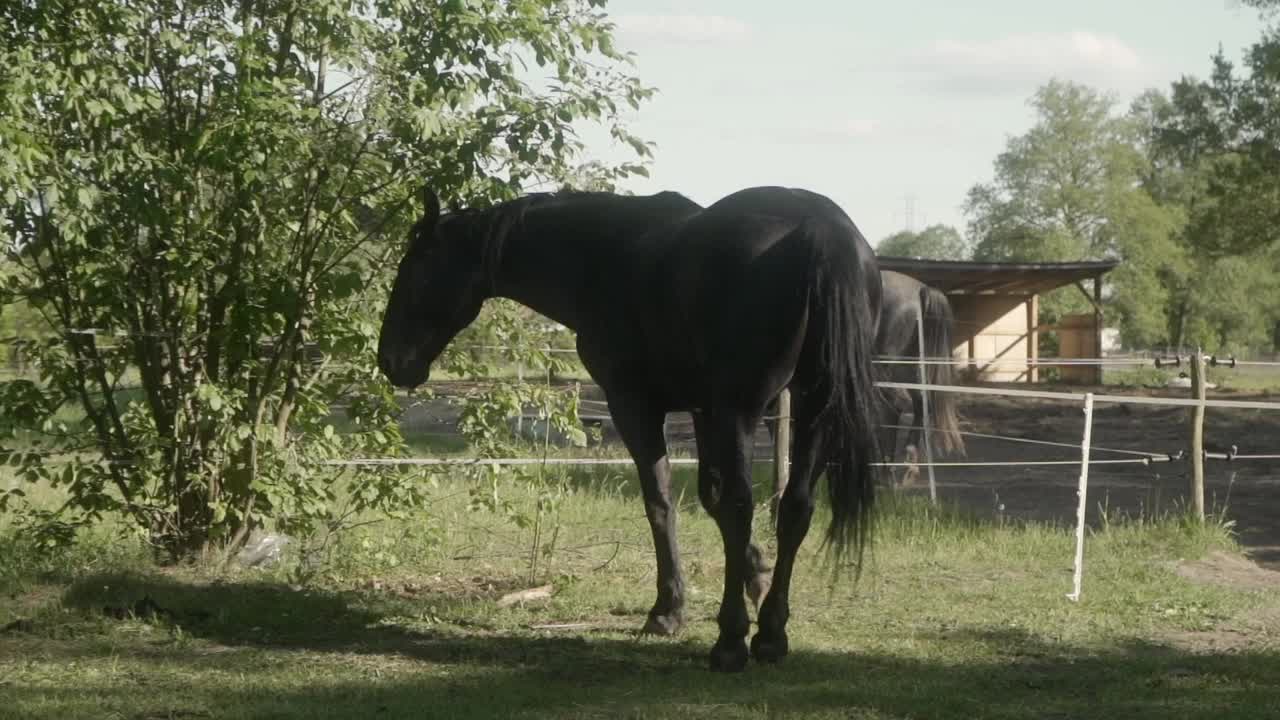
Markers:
point(1179, 323)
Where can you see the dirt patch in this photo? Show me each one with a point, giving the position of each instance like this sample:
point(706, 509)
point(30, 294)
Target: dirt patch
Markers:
point(1264, 621)
point(1214, 642)
point(1256, 629)
point(1220, 568)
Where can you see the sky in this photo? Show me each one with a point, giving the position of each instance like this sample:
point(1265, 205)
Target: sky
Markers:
point(892, 109)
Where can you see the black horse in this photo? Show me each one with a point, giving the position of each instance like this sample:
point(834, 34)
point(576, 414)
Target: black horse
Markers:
point(905, 302)
point(677, 307)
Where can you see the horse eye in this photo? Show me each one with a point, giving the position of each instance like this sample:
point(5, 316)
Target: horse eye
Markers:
point(417, 242)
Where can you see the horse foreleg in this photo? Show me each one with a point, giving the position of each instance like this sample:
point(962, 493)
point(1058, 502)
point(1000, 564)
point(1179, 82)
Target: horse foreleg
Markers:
point(641, 429)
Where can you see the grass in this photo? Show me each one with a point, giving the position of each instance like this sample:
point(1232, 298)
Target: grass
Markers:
point(1246, 379)
point(954, 617)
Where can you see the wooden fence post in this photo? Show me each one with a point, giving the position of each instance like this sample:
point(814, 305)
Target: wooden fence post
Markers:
point(1197, 434)
point(781, 450)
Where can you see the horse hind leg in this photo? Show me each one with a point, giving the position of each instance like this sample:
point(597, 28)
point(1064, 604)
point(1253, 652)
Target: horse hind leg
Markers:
point(795, 511)
point(759, 574)
point(729, 456)
point(915, 440)
point(917, 419)
point(911, 472)
point(891, 414)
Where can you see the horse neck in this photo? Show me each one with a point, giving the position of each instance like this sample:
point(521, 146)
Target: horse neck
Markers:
point(548, 263)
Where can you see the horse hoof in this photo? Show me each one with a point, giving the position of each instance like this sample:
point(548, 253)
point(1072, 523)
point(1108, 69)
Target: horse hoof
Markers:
point(664, 625)
point(729, 657)
point(769, 649)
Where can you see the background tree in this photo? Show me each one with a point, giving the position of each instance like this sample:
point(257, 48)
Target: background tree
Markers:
point(1268, 8)
point(936, 242)
point(1226, 127)
point(1069, 190)
point(1221, 134)
point(219, 191)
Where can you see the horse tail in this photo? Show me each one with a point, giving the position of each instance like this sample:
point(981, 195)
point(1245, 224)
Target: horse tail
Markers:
point(844, 309)
point(937, 344)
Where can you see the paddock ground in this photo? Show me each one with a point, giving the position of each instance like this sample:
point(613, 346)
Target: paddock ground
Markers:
point(1245, 492)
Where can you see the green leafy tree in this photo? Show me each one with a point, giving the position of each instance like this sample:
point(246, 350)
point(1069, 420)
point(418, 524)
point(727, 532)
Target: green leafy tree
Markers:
point(219, 190)
point(1069, 190)
point(936, 242)
point(1234, 304)
point(1225, 126)
point(1218, 148)
point(1268, 8)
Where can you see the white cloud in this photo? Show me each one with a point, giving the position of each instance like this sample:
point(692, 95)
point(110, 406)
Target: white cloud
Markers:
point(1012, 61)
point(686, 28)
point(1044, 51)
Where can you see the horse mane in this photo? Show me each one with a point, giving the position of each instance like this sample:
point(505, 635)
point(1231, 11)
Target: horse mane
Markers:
point(491, 226)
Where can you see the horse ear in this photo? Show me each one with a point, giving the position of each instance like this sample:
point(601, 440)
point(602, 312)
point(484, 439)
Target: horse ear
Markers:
point(430, 206)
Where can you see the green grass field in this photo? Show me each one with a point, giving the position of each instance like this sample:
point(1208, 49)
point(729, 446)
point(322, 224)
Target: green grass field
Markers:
point(953, 618)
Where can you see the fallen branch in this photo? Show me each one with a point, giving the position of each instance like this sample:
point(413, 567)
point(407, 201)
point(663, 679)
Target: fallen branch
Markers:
point(567, 626)
point(538, 593)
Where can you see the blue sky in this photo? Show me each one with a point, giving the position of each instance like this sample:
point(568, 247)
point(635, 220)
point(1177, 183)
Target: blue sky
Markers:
point(881, 104)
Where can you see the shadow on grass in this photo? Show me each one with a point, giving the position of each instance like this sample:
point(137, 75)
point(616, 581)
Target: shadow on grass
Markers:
point(319, 654)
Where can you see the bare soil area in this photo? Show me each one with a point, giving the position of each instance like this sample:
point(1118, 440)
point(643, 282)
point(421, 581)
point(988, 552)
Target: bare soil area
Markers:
point(1246, 492)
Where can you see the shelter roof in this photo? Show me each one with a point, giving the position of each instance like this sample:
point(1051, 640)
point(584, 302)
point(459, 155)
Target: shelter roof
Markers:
point(995, 278)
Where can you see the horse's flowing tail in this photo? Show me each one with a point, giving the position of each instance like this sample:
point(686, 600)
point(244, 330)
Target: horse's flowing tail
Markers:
point(844, 306)
point(937, 344)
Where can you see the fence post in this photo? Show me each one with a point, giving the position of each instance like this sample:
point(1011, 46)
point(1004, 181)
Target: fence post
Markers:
point(924, 403)
point(1197, 434)
point(1082, 492)
point(781, 450)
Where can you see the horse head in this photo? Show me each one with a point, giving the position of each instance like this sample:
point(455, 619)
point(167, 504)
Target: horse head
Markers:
point(442, 281)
